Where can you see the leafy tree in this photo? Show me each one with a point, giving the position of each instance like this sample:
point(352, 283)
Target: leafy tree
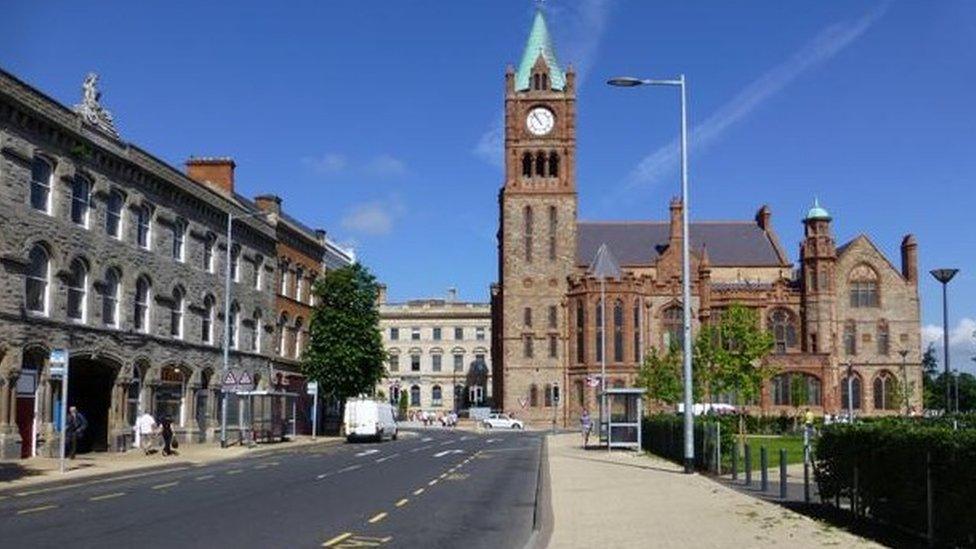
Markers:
point(660, 374)
point(729, 354)
point(345, 351)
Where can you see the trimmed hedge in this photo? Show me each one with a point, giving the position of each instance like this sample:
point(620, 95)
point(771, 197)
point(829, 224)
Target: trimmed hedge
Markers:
point(890, 458)
point(663, 435)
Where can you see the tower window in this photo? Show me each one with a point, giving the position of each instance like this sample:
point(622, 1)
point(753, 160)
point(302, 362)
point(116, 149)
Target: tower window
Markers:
point(545, 82)
point(535, 82)
point(553, 222)
point(553, 164)
point(540, 164)
point(527, 165)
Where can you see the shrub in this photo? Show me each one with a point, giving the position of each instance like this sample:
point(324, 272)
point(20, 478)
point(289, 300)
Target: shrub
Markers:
point(663, 435)
point(890, 457)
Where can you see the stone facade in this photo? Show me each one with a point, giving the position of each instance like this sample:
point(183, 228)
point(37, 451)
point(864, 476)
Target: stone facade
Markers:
point(836, 295)
point(437, 348)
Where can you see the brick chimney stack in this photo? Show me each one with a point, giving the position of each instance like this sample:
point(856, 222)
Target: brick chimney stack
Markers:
point(909, 258)
point(269, 203)
point(763, 218)
point(380, 294)
point(676, 207)
point(214, 172)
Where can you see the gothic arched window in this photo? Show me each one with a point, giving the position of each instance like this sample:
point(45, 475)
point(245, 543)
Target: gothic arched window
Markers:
point(855, 391)
point(863, 284)
point(553, 164)
point(885, 392)
point(618, 331)
point(527, 165)
point(533, 395)
point(782, 325)
point(580, 332)
point(535, 82)
point(540, 164)
point(599, 330)
point(673, 319)
point(553, 223)
point(545, 82)
point(38, 279)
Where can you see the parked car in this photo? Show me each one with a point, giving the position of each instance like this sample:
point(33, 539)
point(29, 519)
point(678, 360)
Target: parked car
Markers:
point(502, 421)
point(369, 419)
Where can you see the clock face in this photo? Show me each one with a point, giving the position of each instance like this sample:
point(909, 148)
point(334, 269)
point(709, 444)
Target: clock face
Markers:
point(540, 121)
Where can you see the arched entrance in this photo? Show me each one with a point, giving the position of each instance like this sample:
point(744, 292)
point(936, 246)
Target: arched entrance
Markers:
point(90, 385)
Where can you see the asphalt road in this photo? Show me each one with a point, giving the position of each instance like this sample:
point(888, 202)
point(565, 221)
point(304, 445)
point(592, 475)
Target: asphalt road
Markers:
point(438, 488)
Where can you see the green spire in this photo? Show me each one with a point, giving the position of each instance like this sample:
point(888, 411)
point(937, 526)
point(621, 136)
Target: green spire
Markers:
point(539, 43)
point(817, 212)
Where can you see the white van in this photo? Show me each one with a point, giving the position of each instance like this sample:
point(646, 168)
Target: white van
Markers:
point(367, 418)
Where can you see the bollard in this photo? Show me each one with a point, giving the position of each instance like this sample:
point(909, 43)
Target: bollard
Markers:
point(806, 474)
point(782, 473)
point(748, 466)
point(763, 469)
point(735, 462)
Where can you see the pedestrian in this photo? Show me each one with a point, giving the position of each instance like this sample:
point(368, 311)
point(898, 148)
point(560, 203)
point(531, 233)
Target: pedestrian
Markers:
point(586, 424)
point(167, 432)
point(74, 430)
point(146, 431)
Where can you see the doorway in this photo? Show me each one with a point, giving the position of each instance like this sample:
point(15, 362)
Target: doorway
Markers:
point(90, 390)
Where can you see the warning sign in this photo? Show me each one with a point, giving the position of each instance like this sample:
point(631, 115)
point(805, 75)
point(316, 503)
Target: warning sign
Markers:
point(236, 380)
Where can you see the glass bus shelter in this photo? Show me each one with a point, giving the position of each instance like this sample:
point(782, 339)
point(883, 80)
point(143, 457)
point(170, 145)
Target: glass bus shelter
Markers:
point(620, 417)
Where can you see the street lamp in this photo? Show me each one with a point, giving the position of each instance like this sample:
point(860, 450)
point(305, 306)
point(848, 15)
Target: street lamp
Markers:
point(904, 377)
point(944, 276)
point(227, 300)
point(679, 82)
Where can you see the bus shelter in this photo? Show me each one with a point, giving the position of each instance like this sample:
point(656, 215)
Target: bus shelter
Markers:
point(267, 416)
point(620, 417)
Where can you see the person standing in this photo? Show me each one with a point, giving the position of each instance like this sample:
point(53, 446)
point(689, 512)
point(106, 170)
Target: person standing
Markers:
point(167, 432)
point(146, 429)
point(74, 430)
point(586, 424)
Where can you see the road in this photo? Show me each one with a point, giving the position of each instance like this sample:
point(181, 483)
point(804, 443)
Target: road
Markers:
point(431, 488)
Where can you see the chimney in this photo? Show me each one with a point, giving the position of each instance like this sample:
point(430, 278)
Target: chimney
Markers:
point(452, 294)
point(380, 294)
point(909, 258)
point(676, 208)
point(269, 203)
point(763, 218)
point(214, 172)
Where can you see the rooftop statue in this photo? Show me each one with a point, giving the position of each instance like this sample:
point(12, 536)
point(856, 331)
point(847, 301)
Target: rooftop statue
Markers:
point(91, 109)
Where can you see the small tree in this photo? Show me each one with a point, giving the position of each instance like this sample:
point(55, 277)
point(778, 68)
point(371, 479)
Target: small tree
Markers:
point(345, 351)
point(402, 405)
point(660, 374)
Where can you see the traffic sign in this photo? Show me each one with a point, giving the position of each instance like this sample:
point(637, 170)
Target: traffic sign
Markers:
point(245, 380)
point(229, 379)
point(313, 387)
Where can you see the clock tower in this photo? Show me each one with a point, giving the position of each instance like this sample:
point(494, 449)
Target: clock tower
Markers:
point(537, 233)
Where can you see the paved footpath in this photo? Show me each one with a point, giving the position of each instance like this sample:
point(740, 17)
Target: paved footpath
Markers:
point(626, 500)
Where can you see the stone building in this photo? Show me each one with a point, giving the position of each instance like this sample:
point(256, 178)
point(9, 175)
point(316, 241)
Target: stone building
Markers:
point(118, 257)
point(838, 306)
point(438, 351)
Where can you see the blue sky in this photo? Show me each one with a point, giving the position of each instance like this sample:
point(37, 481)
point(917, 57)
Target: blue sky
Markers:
point(379, 120)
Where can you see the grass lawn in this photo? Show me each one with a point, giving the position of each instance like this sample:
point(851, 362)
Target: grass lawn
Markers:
point(792, 443)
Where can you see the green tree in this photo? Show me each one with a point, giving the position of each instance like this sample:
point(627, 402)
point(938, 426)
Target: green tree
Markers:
point(660, 374)
point(933, 397)
point(345, 351)
point(729, 354)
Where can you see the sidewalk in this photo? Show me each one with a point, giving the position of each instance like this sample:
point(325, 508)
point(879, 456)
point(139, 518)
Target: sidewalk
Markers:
point(19, 474)
point(626, 500)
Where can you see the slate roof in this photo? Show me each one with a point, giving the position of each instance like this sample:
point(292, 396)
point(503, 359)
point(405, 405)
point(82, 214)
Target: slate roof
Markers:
point(729, 243)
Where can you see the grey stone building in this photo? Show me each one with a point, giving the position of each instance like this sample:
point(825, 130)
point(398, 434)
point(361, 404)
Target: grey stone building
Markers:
point(118, 257)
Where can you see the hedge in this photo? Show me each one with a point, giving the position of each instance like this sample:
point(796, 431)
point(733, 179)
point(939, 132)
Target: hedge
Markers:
point(663, 435)
point(890, 459)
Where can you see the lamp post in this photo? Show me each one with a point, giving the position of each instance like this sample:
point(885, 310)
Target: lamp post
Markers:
point(227, 299)
point(904, 379)
point(680, 83)
point(944, 276)
point(850, 391)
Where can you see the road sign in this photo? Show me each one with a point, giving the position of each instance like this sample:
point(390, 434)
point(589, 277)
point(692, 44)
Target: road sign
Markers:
point(59, 363)
point(229, 379)
point(313, 387)
point(56, 372)
point(244, 380)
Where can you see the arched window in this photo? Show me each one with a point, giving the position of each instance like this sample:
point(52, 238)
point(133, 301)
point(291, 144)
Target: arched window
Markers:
point(545, 81)
point(540, 164)
point(618, 331)
point(176, 314)
point(854, 390)
point(110, 298)
point(863, 284)
point(235, 263)
point(415, 395)
point(580, 332)
point(782, 325)
point(40, 189)
point(134, 392)
point(299, 326)
point(673, 320)
point(547, 396)
point(78, 290)
point(527, 317)
point(850, 338)
point(80, 200)
point(884, 341)
point(142, 304)
point(435, 395)
point(533, 395)
point(169, 394)
point(553, 225)
point(256, 331)
point(885, 392)
point(179, 239)
point(38, 280)
point(208, 253)
point(234, 325)
point(527, 222)
point(258, 269)
point(535, 82)
point(113, 214)
point(206, 325)
point(282, 334)
point(598, 340)
point(299, 283)
point(553, 164)
point(796, 389)
point(527, 164)
point(144, 227)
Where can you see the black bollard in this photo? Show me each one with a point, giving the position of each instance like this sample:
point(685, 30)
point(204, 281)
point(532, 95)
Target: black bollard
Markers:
point(764, 469)
point(735, 462)
point(782, 473)
point(806, 474)
point(748, 466)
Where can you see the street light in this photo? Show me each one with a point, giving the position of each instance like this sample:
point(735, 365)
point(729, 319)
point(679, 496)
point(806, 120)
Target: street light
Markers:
point(944, 276)
point(679, 82)
point(226, 365)
point(904, 377)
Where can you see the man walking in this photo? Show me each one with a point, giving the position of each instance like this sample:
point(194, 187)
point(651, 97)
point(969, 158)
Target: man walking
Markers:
point(146, 429)
point(75, 429)
point(585, 426)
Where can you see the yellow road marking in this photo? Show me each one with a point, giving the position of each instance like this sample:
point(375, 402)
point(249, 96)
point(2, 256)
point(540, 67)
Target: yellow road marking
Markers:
point(166, 485)
point(337, 539)
point(235, 471)
point(402, 502)
point(458, 476)
point(418, 491)
point(433, 482)
point(106, 496)
point(378, 517)
point(36, 509)
point(204, 477)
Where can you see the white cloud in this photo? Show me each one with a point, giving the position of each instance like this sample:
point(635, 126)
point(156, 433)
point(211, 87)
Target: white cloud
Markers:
point(327, 164)
point(825, 45)
point(374, 218)
point(386, 165)
point(582, 25)
point(962, 342)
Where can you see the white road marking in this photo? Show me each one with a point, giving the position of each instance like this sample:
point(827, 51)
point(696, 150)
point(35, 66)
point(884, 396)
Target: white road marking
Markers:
point(384, 458)
point(350, 468)
point(465, 438)
point(448, 443)
point(422, 448)
point(490, 440)
point(426, 439)
point(446, 452)
point(367, 452)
